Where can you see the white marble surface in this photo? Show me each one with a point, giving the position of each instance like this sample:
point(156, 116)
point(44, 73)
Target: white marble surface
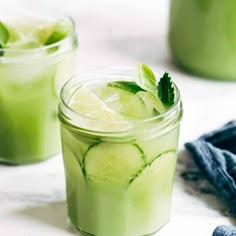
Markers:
point(115, 33)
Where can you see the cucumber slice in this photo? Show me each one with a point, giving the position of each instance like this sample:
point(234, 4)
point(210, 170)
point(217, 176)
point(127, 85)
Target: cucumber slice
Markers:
point(145, 78)
point(142, 105)
point(72, 164)
point(124, 90)
point(135, 108)
point(133, 102)
point(76, 144)
point(159, 144)
point(113, 163)
point(155, 101)
point(164, 161)
point(123, 98)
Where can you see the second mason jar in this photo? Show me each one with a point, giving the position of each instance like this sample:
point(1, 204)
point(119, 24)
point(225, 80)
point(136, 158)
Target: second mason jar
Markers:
point(37, 56)
point(119, 173)
point(202, 37)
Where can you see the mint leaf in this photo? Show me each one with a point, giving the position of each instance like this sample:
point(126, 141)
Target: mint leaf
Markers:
point(126, 85)
point(145, 78)
point(61, 31)
point(4, 37)
point(166, 90)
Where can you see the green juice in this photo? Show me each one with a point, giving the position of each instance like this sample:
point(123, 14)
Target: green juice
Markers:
point(32, 74)
point(119, 167)
point(111, 204)
point(202, 37)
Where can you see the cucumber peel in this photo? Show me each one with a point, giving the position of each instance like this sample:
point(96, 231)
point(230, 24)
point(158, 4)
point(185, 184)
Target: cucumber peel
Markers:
point(148, 165)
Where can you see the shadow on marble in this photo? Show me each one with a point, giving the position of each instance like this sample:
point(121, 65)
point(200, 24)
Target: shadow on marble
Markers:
point(53, 214)
point(195, 183)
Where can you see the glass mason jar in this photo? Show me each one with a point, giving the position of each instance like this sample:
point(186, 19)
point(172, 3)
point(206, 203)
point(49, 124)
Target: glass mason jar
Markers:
point(202, 37)
point(118, 183)
point(30, 85)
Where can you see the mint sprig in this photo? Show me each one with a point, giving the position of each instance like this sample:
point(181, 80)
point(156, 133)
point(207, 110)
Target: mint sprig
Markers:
point(165, 90)
point(162, 93)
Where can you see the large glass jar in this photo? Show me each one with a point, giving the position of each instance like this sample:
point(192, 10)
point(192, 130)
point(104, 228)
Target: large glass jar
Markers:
point(31, 79)
point(120, 182)
point(202, 37)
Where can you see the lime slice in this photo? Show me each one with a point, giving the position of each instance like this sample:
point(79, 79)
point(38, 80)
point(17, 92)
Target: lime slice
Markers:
point(44, 31)
point(113, 163)
point(96, 115)
point(163, 164)
point(61, 29)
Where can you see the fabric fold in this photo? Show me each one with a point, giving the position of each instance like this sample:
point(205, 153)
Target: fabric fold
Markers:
point(215, 155)
point(225, 230)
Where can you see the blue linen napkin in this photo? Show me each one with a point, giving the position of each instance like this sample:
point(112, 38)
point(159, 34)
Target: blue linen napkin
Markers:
point(224, 230)
point(215, 154)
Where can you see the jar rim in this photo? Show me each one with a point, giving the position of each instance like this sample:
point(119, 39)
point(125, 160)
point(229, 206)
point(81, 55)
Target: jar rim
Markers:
point(66, 112)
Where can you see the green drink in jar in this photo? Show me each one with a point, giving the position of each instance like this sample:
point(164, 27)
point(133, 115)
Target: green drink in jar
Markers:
point(202, 37)
point(119, 140)
point(37, 55)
